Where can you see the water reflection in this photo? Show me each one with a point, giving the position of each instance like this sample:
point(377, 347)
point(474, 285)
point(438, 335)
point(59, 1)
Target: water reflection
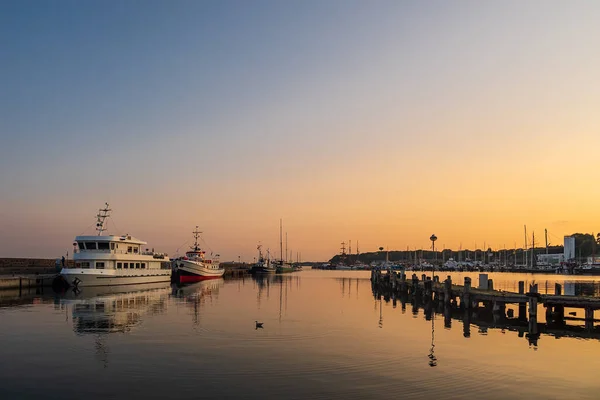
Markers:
point(195, 295)
point(113, 309)
point(106, 310)
point(326, 335)
point(484, 319)
point(281, 283)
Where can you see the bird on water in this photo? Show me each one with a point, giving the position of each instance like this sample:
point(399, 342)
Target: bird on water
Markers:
point(258, 324)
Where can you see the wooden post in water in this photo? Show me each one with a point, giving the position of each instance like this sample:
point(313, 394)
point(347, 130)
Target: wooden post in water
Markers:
point(557, 289)
point(589, 318)
point(559, 311)
point(428, 285)
point(522, 306)
point(448, 290)
point(533, 303)
point(465, 301)
point(403, 283)
point(415, 284)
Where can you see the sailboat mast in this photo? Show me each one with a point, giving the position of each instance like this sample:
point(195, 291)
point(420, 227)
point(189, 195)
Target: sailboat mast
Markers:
point(546, 236)
point(286, 249)
point(281, 240)
point(525, 249)
point(532, 249)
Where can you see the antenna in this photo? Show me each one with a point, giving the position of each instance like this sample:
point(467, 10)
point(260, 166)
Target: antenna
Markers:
point(103, 213)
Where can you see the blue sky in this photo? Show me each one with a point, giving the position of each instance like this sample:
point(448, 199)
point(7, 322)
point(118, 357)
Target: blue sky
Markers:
point(230, 114)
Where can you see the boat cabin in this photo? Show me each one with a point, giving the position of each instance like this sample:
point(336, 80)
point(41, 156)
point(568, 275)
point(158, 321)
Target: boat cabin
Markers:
point(114, 252)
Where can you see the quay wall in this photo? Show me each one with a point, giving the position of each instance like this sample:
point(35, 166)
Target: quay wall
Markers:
point(13, 266)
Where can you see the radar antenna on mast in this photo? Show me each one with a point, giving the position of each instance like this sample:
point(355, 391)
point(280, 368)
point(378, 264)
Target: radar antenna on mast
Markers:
point(101, 217)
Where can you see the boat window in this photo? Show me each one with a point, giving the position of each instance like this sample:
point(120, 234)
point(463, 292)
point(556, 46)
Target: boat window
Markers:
point(100, 265)
point(125, 265)
point(112, 246)
point(102, 245)
point(135, 250)
point(137, 265)
point(85, 264)
point(90, 245)
point(129, 249)
point(119, 265)
point(143, 265)
point(81, 246)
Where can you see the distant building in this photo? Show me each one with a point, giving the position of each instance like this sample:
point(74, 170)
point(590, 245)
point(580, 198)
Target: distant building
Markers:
point(569, 252)
point(551, 260)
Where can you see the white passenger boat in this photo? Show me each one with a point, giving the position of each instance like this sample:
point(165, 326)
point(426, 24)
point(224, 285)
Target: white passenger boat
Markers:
point(196, 266)
point(106, 260)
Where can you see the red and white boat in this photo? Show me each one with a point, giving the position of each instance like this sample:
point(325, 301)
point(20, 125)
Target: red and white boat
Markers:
point(196, 265)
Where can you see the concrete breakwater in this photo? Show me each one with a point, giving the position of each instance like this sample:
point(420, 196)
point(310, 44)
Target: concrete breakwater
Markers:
point(10, 266)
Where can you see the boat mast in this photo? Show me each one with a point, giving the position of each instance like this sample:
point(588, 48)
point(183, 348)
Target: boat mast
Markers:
point(532, 250)
point(281, 240)
point(101, 217)
point(525, 249)
point(196, 236)
point(546, 236)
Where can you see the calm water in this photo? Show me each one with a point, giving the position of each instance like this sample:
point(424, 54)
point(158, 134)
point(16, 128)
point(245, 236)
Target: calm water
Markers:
point(325, 336)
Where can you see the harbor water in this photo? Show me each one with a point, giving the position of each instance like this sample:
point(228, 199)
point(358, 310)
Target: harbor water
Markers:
point(324, 336)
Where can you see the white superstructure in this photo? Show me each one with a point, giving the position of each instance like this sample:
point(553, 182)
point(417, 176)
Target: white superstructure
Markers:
point(104, 260)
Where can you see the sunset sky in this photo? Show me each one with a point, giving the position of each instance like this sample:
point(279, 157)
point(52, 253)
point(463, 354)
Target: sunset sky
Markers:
point(376, 121)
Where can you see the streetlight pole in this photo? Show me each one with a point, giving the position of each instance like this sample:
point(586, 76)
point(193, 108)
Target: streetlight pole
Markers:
point(433, 238)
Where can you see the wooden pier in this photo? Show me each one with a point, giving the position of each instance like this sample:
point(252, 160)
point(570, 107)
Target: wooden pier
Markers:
point(449, 297)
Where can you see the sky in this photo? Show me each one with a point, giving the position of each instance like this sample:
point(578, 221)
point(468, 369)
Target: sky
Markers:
point(379, 122)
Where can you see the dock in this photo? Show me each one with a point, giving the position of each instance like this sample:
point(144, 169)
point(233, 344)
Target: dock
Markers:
point(448, 297)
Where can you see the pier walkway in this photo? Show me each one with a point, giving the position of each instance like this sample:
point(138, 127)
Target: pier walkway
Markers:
point(466, 297)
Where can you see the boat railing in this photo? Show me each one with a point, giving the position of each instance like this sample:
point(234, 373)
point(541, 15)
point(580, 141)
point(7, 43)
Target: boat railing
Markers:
point(108, 251)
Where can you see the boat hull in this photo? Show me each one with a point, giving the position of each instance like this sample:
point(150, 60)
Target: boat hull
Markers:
point(262, 270)
point(190, 271)
point(79, 277)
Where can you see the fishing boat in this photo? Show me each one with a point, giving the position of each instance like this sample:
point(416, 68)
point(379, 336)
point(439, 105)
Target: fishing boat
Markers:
point(106, 260)
point(263, 265)
point(196, 266)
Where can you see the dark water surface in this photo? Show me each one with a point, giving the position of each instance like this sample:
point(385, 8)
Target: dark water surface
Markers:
point(325, 336)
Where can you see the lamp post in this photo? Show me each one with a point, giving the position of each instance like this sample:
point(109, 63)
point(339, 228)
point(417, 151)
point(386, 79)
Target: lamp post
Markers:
point(433, 238)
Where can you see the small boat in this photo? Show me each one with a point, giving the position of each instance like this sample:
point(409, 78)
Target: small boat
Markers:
point(196, 266)
point(107, 260)
point(263, 265)
point(283, 267)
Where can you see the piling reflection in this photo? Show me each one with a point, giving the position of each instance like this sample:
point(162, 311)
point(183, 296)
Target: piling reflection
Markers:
point(196, 295)
point(488, 318)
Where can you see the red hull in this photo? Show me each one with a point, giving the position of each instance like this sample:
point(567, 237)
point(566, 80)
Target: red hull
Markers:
point(195, 278)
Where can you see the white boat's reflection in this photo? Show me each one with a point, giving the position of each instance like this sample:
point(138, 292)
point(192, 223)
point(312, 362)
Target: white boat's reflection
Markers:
point(196, 295)
point(99, 310)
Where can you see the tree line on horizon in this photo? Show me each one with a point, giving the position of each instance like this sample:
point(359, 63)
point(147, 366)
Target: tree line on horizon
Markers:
point(586, 245)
